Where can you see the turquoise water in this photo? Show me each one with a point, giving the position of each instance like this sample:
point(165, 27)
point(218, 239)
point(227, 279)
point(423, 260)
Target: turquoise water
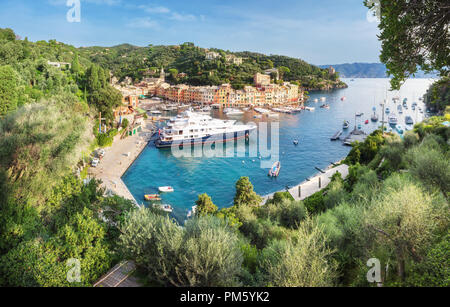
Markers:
point(217, 176)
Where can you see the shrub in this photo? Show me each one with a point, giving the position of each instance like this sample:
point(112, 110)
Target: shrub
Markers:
point(302, 261)
point(206, 252)
point(431, 166)
point(315, 203)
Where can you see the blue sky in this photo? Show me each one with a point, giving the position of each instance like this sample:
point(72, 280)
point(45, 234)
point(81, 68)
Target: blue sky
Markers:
point(318, 31)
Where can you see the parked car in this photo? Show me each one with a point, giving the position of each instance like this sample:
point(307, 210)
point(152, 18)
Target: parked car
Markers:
point(95, 162)
point(101, 153)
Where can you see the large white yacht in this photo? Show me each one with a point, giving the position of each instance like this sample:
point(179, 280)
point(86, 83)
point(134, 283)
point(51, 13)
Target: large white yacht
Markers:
point(194, 128)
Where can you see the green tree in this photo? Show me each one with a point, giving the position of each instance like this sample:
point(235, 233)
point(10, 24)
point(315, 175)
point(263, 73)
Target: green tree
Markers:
point(205, 206)
point(8, 89)
point(414, 34)
point(210, 255)
point(402, 220)
point(75, 69)
point(302, 261)
point(245, 196)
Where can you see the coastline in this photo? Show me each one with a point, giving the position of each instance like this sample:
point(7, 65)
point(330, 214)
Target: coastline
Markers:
point(311, 185)
point(118, 159)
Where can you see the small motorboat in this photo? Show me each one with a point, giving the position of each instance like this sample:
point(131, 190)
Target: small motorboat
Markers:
point(275, 170)
point(359, 114)
point(152, 197)
point(166, 189)
point(359, 126)
point(165, 208)
point(399, 129)
point(325, 106)
point(295, 142)
point(388, 110)
point(346, 124)
point(409, 120)
point(366, 122)
point(192, 212)
point(343, 98)
point(374, 117)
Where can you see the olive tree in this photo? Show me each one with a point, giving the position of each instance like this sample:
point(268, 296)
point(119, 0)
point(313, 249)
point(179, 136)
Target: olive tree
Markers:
point(402, 220)
point(301, 261)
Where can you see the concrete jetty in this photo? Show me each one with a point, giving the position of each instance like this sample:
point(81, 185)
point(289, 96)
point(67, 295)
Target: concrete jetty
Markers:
point(118, 158)
point(313, 185)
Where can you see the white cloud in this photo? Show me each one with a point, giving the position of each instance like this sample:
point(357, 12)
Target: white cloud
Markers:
point(155, 9)
point(107, 2)
point(182, 17)
point(143, 23)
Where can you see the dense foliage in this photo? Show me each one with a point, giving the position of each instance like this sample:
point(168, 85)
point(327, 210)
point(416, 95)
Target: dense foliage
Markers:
point(437, 97)
point(47, 215)
point(414, 34)
point(393, 206)
point(139, 62)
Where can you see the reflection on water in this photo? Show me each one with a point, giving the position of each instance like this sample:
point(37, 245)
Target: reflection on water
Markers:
point(217, 176)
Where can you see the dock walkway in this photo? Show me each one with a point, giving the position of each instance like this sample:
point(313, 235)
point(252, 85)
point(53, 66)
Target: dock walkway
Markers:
point(119, 276)
point(118, 158)
point(313, 185)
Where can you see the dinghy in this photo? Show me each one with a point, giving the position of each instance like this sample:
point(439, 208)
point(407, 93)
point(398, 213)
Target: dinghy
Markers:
point(165, 208)
point(275, 170)
point(166, 189)
point(152, 197)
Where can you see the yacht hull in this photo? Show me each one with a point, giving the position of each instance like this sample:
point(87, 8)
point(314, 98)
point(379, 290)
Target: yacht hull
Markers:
point(217, 138)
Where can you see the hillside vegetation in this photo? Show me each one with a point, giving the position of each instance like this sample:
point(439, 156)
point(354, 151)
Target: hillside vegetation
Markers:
point(393, 207)
point(137, 62)
point(47, 215)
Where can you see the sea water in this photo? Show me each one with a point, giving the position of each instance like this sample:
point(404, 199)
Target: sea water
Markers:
point(216, 176)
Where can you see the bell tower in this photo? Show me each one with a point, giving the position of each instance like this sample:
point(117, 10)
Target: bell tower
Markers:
point(162, 75)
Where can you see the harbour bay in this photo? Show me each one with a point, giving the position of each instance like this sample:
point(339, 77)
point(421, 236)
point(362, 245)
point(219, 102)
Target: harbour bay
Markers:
point(217, 176)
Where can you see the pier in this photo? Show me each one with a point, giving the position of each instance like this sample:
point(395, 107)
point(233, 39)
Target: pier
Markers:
point(355, 136)
point(313, 185)
point(118, 158)
point(337, 135)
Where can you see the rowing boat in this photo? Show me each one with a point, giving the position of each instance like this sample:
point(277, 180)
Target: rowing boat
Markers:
point(152, 197)
point(275, 170)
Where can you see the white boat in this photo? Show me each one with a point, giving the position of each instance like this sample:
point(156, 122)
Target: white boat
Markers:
point(165, 208)
point(393, 121)
point(275, 169)
point(262, 111)
point(323, 99)
point(316, 100)
point(231, 112)
point(156, 112)
point(273, 115)
point(166, 189)
point(310, 109)
point(191, 128)
point(409, 120)
point(192, 212)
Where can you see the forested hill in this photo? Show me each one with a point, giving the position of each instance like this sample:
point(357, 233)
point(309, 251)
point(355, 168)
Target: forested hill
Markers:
point(137, 62)
point(368, 70)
